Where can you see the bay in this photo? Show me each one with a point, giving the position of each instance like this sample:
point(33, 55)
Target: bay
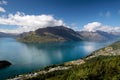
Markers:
point(28, 57)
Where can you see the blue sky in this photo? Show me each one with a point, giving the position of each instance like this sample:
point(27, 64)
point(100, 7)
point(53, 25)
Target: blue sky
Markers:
point(72, 12)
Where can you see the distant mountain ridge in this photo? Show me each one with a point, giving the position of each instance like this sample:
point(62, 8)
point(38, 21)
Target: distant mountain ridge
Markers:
point(61, 33)
point(99, 36)
point(49, 34)
point(7, 35)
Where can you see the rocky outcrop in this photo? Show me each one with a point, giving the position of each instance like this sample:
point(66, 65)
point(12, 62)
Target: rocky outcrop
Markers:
point(4, 64)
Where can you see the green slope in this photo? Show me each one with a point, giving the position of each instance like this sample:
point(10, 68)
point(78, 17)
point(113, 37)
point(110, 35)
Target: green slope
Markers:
point(99, 68)
point(33, 38)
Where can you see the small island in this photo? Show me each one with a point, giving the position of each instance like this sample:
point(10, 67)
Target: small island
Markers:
point(4, 64)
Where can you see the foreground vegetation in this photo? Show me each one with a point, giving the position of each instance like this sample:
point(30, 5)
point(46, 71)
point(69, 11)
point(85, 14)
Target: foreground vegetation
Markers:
point(98, 68)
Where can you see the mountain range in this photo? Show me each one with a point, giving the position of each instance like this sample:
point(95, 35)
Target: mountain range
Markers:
point(51, 34)
point(99, 36)
point(61, 33)
point(2, 34)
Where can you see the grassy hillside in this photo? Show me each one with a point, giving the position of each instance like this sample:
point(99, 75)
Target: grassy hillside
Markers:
point(33, 37)
point(98, 68)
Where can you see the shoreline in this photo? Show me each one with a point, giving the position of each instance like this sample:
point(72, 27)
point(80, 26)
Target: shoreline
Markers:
point(59, 67)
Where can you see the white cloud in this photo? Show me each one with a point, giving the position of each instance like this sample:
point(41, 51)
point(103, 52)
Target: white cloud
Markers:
point(3, 2)
point(92, 26)
point(108, 14)
point(95, 26)
point(73, 26)
point(26, 23)
point(2, 9)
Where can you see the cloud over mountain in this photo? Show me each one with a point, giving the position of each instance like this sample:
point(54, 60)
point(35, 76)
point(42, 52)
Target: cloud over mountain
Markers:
point(97, 26)
point(26, 23)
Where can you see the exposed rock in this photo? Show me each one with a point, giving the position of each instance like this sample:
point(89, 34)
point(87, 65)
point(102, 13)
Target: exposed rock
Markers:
point(4, 64)
point(75, 62)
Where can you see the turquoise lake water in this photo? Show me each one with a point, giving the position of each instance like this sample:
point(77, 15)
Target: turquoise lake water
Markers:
point(31, 57)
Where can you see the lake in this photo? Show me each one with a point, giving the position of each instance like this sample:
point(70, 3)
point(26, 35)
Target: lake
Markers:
point(28, 57)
